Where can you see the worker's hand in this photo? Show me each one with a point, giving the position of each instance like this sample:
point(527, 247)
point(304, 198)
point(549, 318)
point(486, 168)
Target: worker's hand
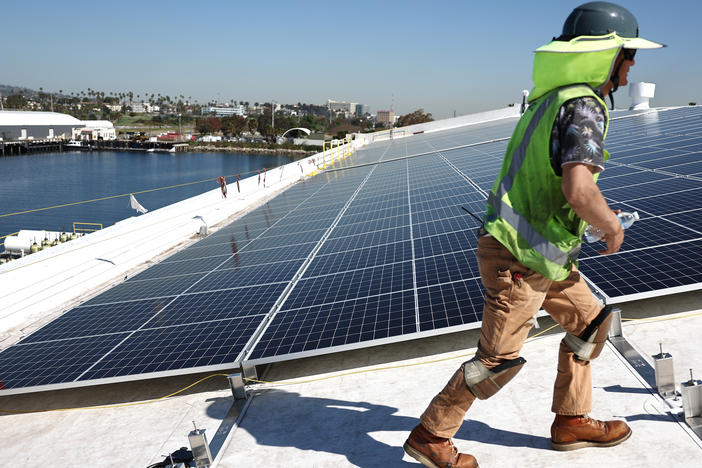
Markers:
point(613, 240)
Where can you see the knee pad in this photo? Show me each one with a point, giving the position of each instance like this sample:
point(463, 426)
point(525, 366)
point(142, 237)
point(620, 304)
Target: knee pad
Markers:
point(590, 342)
point(483, 382)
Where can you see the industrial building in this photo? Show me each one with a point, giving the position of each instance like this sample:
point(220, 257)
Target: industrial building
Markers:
point(95, 130)
point(29, 125)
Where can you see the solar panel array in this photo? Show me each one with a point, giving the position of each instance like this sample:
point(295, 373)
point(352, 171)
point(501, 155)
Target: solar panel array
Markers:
point(363, 256)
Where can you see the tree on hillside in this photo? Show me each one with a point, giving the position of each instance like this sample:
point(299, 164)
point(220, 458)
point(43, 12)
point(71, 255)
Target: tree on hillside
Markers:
point(233, 125)
point(208, 125)
point(16, 101)
point(415, 117)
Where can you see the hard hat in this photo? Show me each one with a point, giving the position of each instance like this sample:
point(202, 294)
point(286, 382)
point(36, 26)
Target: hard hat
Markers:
point(601, 18)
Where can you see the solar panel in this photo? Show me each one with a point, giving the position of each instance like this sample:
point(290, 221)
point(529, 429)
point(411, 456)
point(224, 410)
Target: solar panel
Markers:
point(368, 255)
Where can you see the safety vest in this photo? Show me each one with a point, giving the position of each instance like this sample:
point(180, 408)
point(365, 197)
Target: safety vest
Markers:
point(526, 209)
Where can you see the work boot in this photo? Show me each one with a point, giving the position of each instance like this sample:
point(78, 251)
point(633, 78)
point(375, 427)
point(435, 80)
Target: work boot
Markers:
point(436, 452)
point(574, 432)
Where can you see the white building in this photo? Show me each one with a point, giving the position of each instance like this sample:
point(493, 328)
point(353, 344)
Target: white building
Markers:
point(143, 107)
point(96, 130)
point(30, 125)
point(342, 107)
point(223, 111)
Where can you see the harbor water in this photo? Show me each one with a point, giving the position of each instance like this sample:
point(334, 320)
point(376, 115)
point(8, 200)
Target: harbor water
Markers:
point(34, 181)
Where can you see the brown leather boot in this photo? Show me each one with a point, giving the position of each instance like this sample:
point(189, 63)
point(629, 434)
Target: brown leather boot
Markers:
point(574, 432)
point(436, 452)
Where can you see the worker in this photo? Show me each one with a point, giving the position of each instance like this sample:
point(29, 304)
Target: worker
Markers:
point(537, 210)
point(223, 185)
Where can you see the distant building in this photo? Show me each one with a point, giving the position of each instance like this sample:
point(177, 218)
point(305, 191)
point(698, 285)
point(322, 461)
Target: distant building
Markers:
point(30, 125)
point(362, 109)
point(385, 117)
point(95, 130)
point(143, 107)
point(223, 111)
point(348, 109)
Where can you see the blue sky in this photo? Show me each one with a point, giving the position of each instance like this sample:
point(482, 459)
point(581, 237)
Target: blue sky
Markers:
point(443, 56)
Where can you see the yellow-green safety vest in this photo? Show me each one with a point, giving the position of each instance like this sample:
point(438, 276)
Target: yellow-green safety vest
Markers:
point(526, 209)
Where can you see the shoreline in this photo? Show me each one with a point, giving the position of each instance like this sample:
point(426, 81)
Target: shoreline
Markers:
point(244, 149)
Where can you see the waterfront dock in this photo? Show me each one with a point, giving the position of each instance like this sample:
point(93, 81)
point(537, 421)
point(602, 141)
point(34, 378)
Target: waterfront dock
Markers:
point(20, 147)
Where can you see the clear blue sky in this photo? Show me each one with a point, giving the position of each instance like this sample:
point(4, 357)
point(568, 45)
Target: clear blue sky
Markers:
point(442, 56)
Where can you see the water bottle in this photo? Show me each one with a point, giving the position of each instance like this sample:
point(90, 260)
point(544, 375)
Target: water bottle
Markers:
point(592, 234)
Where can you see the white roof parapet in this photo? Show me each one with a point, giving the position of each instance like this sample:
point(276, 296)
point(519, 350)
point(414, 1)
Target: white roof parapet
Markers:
point(31, 118)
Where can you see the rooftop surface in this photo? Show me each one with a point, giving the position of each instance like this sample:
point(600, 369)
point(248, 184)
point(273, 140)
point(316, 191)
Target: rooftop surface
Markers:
point(353, 407)
point(356, 408)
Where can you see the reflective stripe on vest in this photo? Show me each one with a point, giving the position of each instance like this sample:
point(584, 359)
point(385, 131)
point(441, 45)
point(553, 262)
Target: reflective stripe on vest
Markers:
point(514, 219)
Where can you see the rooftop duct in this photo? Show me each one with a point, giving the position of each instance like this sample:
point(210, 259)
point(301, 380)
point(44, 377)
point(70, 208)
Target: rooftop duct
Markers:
point(640, 94)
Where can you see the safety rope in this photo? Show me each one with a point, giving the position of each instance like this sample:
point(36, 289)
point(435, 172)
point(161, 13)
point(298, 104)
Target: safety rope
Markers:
point(121, 405)
point(328, 377)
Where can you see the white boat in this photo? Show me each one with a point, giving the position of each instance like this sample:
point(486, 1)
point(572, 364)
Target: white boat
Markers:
point(78, 145)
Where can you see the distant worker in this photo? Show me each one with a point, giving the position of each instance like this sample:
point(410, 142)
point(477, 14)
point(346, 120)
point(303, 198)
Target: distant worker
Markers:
point(537, 210)
point(223, 184)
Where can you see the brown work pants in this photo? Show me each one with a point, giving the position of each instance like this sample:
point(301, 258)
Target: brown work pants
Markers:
point(514, 294)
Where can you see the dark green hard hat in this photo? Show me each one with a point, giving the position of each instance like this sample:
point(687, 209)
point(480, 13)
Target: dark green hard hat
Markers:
point(600, 18)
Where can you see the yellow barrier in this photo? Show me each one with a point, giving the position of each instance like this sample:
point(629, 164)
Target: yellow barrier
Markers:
point(78, 227)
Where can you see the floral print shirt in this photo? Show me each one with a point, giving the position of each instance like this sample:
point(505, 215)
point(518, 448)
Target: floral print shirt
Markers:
point(577, 135)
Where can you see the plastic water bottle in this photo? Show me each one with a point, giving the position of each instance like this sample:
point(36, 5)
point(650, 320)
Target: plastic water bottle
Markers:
point(592, 234)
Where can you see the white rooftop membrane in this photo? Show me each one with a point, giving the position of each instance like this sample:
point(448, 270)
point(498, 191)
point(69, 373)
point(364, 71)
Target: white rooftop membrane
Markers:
point(362, 419)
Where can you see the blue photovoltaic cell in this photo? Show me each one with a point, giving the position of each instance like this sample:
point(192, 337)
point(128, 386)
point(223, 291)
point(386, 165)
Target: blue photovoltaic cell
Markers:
point(350, 285)
point(658, 205)
point(144, 289)
point(361, 258)
point(671, 160)
point(646, 270)
point(220, 305)
point(444, 268)
point(649, 189)
point(630, 178)
point(89, 320)
point(450, 304)
point(688, 219)
point(645, 233)
point(58, 361)
point(369, 239)
point(172, 268)
point(247, 276)
point(444, 243)
point(178, 347)
point(344, 323)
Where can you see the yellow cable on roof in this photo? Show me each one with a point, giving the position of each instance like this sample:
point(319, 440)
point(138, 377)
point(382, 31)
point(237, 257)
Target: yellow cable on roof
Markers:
point(121, 405)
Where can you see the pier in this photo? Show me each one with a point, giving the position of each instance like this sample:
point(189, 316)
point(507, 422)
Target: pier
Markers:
point(17, 148)
point(12, 148)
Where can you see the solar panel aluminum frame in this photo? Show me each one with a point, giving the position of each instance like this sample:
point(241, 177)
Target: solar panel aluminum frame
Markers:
point(361, 344)
point(120, 379)
point(639, 296)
